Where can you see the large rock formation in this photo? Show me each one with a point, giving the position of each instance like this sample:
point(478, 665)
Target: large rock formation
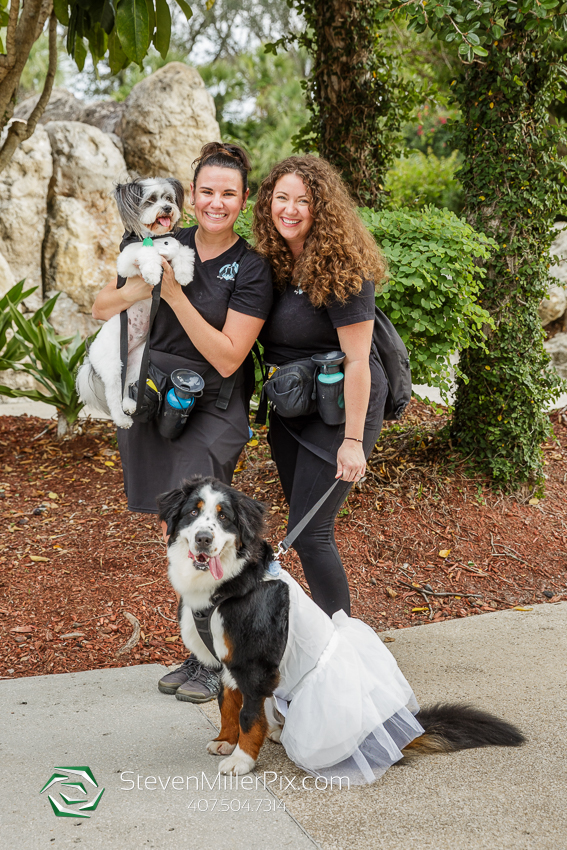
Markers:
point(556, 347)
point(554, 306)
point(83, 228)
point(168, 117)
point(558, 251)
point(7, 279)
point(23, 209)
point(62, 106)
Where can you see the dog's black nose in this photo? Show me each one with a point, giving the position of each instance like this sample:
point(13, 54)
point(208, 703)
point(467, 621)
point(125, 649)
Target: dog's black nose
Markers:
point(167, 209)
point(203, 538)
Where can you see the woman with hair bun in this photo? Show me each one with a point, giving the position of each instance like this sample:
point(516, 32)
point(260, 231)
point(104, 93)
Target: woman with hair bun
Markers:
point(209, 327)
point(325, 267)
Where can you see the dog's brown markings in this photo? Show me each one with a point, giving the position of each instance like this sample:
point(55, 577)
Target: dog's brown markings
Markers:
point(231, 704)
point(200, 505)
point(226, 659)
point(251, 742)
point(427, 744)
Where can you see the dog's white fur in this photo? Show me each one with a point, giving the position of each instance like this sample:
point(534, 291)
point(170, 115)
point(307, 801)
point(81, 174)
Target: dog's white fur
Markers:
point(99, 380)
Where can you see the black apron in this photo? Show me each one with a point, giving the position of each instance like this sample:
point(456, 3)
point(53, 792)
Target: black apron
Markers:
point(209, 445)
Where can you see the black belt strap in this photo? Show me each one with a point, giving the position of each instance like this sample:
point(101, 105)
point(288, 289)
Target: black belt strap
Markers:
point(316, 450)
point(156, 294)
point(144, 365)
point(225, 391)
point(202, 620)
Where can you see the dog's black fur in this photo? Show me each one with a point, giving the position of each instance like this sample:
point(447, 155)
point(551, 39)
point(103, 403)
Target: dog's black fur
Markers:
point(255, 630)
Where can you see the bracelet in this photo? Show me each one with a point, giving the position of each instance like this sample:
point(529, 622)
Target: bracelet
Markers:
point(356, 440)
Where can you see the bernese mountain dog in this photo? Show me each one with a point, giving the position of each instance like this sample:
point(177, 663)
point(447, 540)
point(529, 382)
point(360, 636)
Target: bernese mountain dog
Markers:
point(234, 618)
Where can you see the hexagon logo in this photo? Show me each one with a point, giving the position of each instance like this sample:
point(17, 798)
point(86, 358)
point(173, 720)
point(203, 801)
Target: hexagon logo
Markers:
point(73, 780)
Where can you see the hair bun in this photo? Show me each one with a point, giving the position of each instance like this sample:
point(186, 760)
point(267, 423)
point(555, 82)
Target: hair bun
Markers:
point(226, 156)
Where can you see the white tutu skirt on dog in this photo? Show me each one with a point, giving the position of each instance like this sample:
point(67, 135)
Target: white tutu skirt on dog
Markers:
point(348, 709)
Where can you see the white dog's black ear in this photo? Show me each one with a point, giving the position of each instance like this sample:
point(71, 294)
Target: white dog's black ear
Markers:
point(177, 186)
point(128, 197)
point(249, 518)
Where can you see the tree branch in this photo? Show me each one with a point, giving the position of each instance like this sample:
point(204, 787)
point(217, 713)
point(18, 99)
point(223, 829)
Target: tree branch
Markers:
point(7, 59)
point(19, 131)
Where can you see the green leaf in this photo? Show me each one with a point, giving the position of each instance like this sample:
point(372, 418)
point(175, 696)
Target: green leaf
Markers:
point(151, 17)
point(117, 59)
point(61, 9)
point(80, 53)
point(480, 51)
point(185, 8)
point(132, 26)
point(107, 17)
point(163, 27)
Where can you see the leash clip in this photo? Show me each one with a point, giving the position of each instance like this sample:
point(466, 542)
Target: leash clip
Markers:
point(281, 550)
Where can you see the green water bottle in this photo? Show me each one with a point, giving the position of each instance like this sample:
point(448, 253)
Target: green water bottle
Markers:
point(330, 386)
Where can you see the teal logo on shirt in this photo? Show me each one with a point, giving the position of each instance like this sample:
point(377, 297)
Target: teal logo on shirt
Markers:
point(228, 272)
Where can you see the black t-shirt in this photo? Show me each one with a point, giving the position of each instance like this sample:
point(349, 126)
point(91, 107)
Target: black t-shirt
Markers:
point(295, 329)
point(239, 279)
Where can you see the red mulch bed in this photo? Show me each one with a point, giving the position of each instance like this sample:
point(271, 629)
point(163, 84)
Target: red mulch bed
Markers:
point(75, 560)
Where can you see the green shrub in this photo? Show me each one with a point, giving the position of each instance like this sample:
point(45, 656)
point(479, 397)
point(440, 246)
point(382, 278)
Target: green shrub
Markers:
point(10, 348)
point(431, 295)
point(419, 179)
point(52, 360)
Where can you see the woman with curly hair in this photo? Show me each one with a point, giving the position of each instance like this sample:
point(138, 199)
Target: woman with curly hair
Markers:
point(325, 267)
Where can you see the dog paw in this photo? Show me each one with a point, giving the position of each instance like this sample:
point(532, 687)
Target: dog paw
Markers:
point(238, 763)
point(275, 735)
point(123, 421)
point(220, 748)
point(129, 405)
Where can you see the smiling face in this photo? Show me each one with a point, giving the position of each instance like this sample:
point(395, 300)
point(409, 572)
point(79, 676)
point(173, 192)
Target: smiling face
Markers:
point(290, 211)
point(218, 198)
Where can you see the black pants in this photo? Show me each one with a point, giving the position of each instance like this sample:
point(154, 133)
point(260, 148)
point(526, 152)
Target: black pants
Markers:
point(304, 478)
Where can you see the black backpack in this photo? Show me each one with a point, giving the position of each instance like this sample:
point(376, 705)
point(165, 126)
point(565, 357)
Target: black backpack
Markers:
point(390, 351)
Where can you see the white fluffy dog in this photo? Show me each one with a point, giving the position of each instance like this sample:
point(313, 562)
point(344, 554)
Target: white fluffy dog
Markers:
point(149, 208)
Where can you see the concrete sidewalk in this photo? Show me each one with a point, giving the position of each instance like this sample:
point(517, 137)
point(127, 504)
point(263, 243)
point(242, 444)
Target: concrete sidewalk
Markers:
point(136, 741)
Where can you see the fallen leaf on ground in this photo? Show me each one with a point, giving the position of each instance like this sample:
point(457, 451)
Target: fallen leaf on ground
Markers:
point(444, 553)
point(38, 558)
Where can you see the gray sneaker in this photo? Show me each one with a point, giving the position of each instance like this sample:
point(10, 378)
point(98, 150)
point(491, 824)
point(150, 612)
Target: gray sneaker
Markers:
point(204, 685)
point(169, 683)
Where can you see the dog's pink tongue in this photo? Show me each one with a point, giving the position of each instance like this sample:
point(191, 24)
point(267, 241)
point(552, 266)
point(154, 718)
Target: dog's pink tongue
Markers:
point(165, 222)
point(215, 568)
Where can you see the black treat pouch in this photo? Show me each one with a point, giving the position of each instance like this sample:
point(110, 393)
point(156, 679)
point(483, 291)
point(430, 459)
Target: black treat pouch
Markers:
point(156, 386)
point(291, 389)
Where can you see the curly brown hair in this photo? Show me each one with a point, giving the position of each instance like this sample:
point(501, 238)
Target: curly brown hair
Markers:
point(339, 253)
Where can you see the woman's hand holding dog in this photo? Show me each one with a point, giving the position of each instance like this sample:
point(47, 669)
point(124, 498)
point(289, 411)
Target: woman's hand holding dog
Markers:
point(111, 300)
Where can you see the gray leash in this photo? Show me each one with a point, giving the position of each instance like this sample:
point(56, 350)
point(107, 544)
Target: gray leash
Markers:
point(296, 531)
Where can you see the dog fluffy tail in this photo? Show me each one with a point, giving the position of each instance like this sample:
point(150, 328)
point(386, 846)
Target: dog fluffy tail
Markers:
point(461, 727)
point(90, 387)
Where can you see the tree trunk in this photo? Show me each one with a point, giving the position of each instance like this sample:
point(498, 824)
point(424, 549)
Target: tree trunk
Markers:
point(513, 192)
point(357, 99)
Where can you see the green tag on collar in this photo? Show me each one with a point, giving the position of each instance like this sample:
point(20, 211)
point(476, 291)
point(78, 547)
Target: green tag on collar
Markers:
point(148, 242)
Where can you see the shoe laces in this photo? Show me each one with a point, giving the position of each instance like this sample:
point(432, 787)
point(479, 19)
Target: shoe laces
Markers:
point(207, 677)
point(197, 672)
